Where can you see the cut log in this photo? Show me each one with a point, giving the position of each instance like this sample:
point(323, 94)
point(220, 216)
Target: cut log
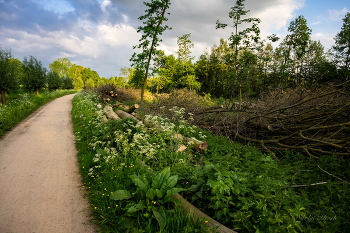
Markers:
point(104, 119)
point(110, 113)
point(200, 146)
point(133, 108)
point(130, 109)
point(193, 143)
point(123, 114)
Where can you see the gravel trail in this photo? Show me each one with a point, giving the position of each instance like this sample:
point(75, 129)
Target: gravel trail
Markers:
point(40, 187)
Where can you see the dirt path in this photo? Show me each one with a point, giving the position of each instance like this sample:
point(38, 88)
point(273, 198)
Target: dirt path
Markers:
point(40, 188)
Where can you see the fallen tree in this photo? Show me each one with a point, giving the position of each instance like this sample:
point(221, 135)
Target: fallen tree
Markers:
point(200, 146)
point(316, 121)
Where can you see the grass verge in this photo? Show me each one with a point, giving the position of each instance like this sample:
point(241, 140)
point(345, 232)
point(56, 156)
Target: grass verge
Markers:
point(23, 105)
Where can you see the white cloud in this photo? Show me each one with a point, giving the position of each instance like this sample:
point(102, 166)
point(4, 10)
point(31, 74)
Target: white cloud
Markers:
point(337, 14)
point(277, 15)
point(104, 4)
point(66, 55)
point(327, 40)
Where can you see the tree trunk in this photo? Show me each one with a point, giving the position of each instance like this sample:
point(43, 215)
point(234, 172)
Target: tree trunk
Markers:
point(3, 97)
point(150, 57)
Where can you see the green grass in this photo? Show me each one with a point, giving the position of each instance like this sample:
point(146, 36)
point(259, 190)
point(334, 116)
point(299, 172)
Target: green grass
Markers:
point(246, 190)
point(22, 105)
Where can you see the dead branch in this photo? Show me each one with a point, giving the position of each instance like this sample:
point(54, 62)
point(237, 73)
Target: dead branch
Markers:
point(305, 185)
point(332, 175)
point(315, 121)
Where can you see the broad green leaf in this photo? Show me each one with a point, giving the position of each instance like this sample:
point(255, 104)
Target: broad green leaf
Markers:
point(174, 191)
point(141, 183)
point(151, 193)
point(159, 214)
point(159, 193)
point(135, 208)
point(157, 181)
point(169, 183)
point(121, 195)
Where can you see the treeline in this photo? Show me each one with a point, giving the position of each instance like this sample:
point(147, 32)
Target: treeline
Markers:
point(29, 75)
point(83, 77)
point(245, 65)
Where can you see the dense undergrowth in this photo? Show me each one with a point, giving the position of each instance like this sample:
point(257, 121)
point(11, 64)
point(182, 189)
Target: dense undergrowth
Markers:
point(22, 105)
point(131, 170)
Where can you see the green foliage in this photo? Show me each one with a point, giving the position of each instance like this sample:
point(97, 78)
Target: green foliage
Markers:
point(136, 80)
point(89, 83)
point(54, 81)
point(89, 77)
point(149, 196)
point(78, 83)
point(8, 74)
point(342, 47)
point(67, 83)
point(299, 38)
point(118, 82)
point(248, 36)
point(34, 78)
point(154, 18)
point(175, 73)
point(61, 66)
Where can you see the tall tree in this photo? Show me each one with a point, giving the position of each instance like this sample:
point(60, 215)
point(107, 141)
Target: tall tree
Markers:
point(8, 76)
point(75, 75)
point(342, 47)
point(54, 81)
point(87, 74)
point(34, 74)
point(61, 66)
point(67, 83)
point(167, 72)
point(126, 73)
point(298, 42)
point(152, 29)
point(184, 52)
point(299, 39)
point(241, 40)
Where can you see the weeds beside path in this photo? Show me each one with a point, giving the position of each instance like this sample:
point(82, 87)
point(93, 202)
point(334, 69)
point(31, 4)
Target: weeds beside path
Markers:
point(40, 184)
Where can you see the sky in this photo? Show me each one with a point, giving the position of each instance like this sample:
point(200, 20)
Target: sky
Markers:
point(100, 34)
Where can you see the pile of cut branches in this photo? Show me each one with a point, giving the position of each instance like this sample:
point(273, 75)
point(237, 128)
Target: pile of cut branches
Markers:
point(316, 121)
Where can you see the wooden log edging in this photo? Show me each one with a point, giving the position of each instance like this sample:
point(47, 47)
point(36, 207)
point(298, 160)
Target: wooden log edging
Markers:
point(189, 208)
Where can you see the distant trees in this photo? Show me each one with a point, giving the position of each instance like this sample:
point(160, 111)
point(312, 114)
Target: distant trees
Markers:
point(8, 74)
point(54, 81)
point(34, 74)
point(244, 65)
point(90, 77)
point(61, 66)
point(342, 48)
